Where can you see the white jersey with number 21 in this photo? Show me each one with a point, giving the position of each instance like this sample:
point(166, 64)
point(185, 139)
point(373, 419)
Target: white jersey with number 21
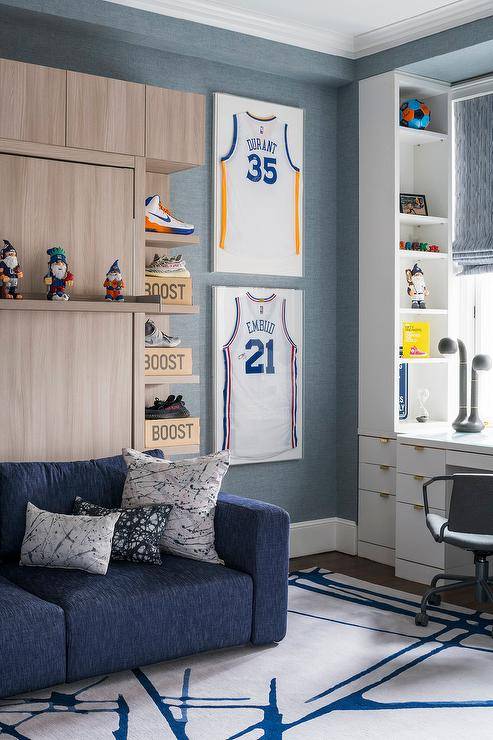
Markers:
point(260, 385)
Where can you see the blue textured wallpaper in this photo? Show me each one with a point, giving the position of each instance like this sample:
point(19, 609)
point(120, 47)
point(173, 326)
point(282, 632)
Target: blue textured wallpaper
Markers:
point(112, 40)
point(307, 488)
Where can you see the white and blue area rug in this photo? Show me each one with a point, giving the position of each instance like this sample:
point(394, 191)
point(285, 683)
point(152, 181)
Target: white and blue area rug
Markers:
point(353, 665)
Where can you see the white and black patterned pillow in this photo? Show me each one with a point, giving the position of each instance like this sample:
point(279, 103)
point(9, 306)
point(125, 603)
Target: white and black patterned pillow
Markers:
point(137, 532)
point(191, 487)
point(65, 541)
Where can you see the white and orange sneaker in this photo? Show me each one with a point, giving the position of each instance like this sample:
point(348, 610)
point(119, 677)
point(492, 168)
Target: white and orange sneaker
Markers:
point(160, 219)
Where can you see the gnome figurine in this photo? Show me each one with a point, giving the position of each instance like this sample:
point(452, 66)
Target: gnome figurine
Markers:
point(416, 287)
point(114, 283)
point(58, 276)
point(10, 271)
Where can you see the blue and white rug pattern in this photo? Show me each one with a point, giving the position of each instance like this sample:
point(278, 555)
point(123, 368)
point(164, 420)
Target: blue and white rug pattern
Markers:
point(352, 665)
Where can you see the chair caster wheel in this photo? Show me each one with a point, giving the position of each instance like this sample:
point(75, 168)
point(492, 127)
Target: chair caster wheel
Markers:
point(421, 619)
point(435, 600)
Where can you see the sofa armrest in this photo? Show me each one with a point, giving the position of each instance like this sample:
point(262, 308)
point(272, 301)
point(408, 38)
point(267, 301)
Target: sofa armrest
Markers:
point(253, 537)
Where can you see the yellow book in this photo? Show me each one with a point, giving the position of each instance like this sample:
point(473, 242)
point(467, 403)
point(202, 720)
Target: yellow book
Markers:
point(415, 339)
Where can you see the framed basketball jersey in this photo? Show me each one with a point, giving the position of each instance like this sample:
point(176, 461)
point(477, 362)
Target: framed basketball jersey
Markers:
point(258, 373)
point(258, 186)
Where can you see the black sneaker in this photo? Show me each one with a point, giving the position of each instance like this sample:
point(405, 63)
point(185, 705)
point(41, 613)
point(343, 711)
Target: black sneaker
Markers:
point(172, 408)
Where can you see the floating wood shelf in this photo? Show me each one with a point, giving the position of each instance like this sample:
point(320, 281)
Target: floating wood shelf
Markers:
point(168, 241)
point(184, 450)
point(412, 220)
point(164, 167)
point(131, 304)
point(171, 379)
point(167, 308)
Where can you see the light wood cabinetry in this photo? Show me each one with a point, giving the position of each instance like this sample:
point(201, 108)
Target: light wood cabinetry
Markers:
point(175, 128)
point(86, 209)
point(105, 114)
point(32, 103)
point(69, 377)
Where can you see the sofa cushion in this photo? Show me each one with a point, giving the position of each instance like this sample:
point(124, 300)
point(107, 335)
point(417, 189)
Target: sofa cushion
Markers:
point(32, 641)
point(141, 613)
point(53, 487)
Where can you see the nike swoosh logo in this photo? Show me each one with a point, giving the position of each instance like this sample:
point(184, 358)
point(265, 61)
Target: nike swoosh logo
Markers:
point(166, 219)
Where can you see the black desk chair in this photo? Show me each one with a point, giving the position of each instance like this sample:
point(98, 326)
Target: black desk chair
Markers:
point(470, 527)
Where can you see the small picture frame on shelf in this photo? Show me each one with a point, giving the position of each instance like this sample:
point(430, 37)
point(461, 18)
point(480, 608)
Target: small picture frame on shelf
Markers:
point(413, 205)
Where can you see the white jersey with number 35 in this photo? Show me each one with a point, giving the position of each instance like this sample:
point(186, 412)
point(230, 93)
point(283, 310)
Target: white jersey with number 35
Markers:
point(260, 387)
point(260, 191)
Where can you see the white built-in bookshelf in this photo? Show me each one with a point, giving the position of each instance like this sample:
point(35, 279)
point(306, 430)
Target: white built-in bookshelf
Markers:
point(396, 160)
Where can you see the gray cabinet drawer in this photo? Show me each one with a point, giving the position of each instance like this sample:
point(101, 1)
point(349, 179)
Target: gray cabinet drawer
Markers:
point(380, 478)
point(377, 450)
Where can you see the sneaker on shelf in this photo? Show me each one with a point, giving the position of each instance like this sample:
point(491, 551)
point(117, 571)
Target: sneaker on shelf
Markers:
point(167, 266)
point(415, 352)
point(159, 219)
point(154, 337)
point(172, 408)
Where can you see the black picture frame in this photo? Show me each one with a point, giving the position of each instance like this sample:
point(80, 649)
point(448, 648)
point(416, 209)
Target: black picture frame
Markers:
point(413, 204)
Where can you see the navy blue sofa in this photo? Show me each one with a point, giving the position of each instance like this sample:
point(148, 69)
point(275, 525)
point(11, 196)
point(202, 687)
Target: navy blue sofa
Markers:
point(63, 625)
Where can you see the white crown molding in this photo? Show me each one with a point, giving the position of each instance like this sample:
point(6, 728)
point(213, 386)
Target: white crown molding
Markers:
point(425, 24)
point(318, 38)
point(263, 26)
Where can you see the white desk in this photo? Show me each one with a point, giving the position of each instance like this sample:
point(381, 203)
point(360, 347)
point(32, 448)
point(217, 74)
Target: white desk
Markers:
point(391, 526)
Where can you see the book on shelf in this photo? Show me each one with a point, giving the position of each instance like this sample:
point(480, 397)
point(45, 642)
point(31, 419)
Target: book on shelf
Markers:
point(415, 339)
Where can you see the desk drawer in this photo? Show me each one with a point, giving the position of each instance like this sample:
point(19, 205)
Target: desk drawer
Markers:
point(418, 460)
point(410, 491)
point(377, 450)
point(471, 460)
point(376, 518)
point(413, 538)
point(380, 478)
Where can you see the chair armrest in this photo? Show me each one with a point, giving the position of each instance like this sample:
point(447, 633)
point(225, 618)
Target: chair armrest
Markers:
point(253, 537)
point(436, 524)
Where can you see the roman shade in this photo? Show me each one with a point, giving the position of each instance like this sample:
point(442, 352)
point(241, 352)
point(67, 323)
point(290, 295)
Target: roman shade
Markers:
point(472, 248)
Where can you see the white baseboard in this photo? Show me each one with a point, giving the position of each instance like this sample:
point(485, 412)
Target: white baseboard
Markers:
point(323, 535)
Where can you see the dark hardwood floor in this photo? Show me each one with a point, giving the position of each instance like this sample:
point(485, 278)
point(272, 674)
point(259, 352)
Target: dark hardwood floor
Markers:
point(382, 575)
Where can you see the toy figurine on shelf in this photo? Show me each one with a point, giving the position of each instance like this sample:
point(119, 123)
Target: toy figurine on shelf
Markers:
point(416, 287)
point(114, 283)
point(10, 272)
point(408, 245)
point(433, 248)
point(58, 277)
point(401, 245)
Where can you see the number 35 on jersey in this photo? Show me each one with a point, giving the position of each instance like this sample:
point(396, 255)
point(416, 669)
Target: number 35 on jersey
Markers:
point(260, 191)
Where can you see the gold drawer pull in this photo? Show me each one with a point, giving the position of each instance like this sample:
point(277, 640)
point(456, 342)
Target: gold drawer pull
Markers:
point(418, 448)
point(419, 477)
point(384, 467)
point(384, 440)
point(418, 507)
point(384, 495)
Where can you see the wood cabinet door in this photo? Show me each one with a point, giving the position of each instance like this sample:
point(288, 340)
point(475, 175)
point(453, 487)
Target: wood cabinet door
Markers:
point(68, 380)
point(32, 103)
point(175, 126)
point(86, 209)
point(105, 114)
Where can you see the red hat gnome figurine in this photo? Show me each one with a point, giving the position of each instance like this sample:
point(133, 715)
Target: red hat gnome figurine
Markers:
point(114, 283)
point(58, 276)
point(10, 272)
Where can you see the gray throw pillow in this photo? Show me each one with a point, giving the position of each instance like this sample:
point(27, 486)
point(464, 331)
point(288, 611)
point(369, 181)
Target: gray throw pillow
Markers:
point(137, 532)
point(191, 487)
point(66, 541)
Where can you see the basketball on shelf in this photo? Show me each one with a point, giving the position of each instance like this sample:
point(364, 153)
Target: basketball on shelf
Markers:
point(414, 114)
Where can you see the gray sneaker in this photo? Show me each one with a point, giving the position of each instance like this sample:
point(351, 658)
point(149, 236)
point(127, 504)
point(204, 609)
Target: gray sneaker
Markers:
point(154, 337)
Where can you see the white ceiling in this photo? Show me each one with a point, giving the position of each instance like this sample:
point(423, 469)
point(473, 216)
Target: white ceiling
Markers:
point(349, 28)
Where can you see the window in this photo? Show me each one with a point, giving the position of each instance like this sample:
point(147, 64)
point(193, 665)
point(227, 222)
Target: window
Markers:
point(474, 321)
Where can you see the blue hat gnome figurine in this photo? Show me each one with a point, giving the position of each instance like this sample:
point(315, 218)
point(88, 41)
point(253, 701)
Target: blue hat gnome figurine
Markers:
point(58, 277)
point(10, 272)
point(114, 283)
